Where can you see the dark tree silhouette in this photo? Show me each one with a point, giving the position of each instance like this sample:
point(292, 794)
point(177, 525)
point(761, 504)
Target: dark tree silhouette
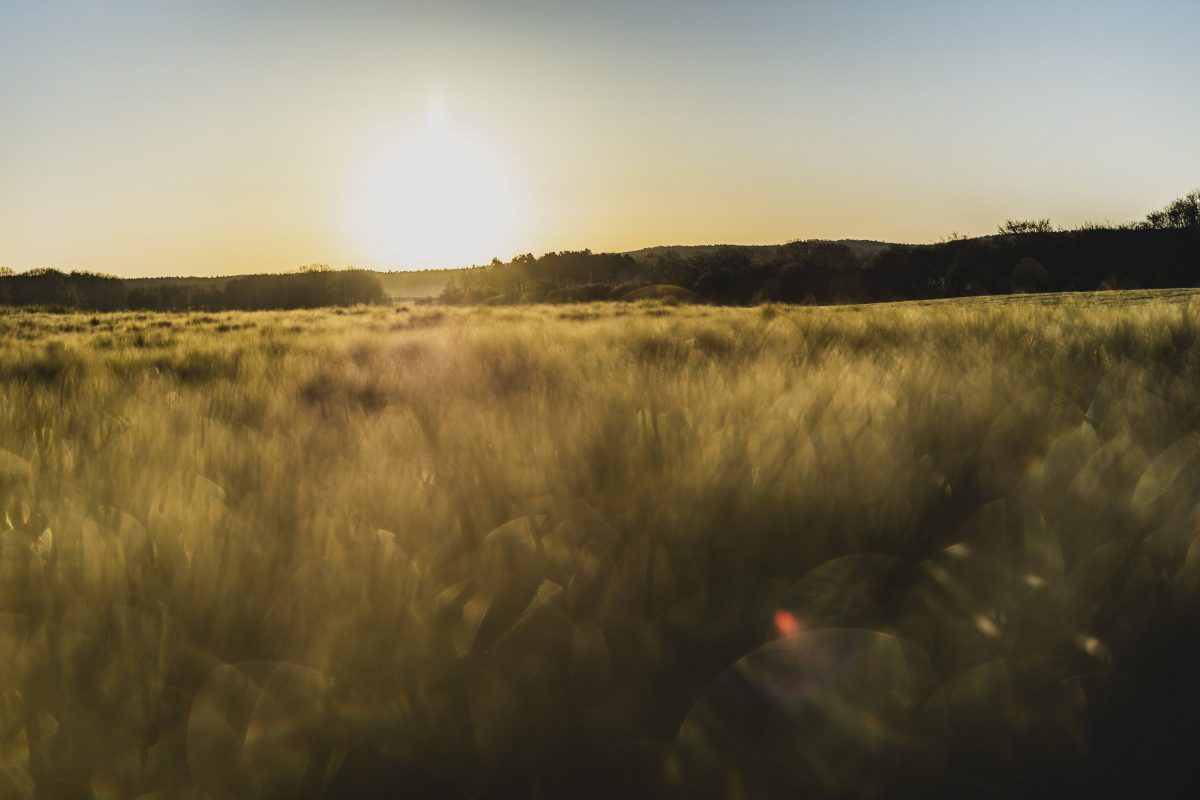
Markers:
point(1018, 227)
point(1183, 214)
point(311, 287)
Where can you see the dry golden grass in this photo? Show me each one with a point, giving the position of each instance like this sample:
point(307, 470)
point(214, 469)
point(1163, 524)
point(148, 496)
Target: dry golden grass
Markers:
point(604, 550)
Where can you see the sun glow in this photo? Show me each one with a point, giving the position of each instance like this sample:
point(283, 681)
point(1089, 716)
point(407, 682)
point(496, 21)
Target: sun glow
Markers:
point(439, 198)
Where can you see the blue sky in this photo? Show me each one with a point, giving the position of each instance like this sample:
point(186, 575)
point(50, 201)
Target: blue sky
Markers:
point(151, 138)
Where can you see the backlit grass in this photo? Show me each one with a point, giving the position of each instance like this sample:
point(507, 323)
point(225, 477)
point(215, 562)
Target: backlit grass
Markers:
point(935, 549)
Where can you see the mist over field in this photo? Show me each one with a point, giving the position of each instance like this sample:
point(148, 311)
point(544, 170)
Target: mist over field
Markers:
point(942, 549)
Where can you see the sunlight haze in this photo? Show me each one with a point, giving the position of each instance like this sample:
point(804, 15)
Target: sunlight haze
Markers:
point(138, 138)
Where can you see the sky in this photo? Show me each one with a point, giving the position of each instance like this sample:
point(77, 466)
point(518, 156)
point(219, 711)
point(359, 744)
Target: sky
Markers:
point(221, 137)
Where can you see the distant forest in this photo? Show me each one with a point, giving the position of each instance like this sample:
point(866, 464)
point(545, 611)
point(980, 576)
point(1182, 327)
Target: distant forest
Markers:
point(311, 287)
point(1023, 256)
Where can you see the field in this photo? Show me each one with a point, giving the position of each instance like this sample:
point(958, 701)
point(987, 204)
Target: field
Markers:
point(940, 549)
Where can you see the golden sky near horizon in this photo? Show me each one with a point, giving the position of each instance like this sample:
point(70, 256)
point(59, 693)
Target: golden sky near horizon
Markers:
point(217, 138)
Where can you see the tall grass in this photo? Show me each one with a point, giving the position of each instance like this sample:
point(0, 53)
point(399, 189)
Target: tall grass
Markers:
point(941, 549)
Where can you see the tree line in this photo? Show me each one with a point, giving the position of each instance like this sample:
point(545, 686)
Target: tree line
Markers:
point(1023, 256)
point(311, 287)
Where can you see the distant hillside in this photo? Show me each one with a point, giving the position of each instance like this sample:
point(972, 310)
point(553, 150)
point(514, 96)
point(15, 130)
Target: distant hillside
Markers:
point(415, 284)
point(1042, 260)
point(1024, 256)
point(861, 248)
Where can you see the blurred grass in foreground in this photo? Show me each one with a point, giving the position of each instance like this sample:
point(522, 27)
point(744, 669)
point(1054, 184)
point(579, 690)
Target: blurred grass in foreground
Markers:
point(923, 549)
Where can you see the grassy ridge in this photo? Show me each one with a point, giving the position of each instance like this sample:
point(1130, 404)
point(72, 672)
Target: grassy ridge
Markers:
point(936, 549)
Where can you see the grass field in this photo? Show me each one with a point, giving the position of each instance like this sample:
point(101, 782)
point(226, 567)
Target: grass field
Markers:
point(940, 549)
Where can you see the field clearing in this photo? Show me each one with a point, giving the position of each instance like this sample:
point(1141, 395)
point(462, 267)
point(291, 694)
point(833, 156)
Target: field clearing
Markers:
point(936, 549)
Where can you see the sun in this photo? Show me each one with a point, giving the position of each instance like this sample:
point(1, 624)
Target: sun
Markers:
point(437, 198)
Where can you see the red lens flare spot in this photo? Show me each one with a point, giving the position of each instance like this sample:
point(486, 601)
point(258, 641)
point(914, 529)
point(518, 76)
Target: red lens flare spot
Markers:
point(787, 623)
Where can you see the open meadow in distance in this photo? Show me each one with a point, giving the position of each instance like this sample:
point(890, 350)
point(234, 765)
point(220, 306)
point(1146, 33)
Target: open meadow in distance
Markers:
point(939, 549)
